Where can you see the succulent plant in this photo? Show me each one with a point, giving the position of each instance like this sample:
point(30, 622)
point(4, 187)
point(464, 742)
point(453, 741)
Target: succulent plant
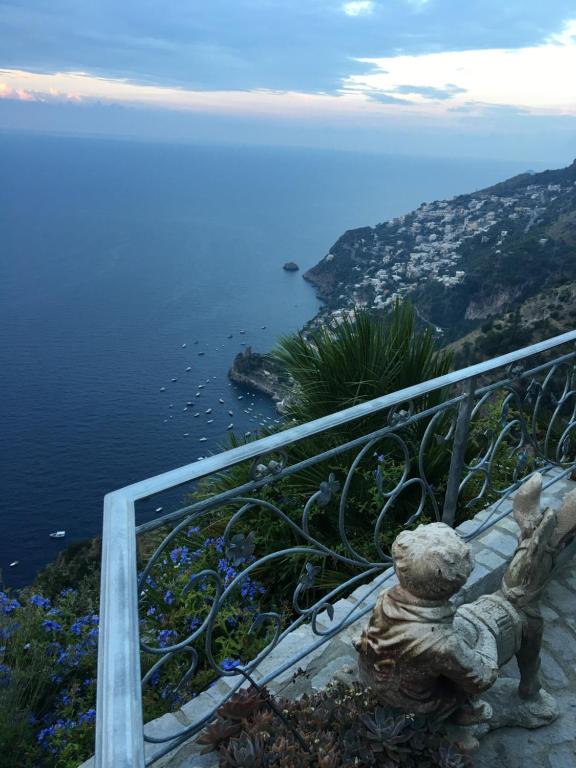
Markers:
point(243, 704)
point(340, 727)
point(449, 756)
point(244, 752)
point(216, 733)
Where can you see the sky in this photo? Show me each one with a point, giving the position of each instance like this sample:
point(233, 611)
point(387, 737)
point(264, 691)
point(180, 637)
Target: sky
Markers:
point(477, 78)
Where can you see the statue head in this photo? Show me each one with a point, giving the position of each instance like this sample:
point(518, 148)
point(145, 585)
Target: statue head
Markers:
point(432, 562)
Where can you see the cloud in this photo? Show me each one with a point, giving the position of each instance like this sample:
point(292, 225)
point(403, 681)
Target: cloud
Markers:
point(358, 8)
point(430, 92)
point(535, 78)
point(292, 45)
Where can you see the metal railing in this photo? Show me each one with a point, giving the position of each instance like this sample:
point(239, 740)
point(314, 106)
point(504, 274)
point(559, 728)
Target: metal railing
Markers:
point(308, 511)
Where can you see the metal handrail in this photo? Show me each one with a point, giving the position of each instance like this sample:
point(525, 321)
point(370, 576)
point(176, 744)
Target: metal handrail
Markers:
point(119, 728)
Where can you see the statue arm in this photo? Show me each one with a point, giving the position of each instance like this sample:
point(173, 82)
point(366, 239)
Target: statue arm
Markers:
point(474, 669)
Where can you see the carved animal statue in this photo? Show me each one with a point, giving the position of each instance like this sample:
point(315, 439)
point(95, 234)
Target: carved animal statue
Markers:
point(424, 656)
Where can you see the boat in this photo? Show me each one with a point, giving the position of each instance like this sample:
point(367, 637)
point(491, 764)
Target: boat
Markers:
point(162, 389)
point(197, 414)
point(264, 327)
point(240, 397)
point(242, 332)
point(158, 509)
point(173, 380)
point(189, 403)
point(197, 394)
point(201, 386)
point(186, 434)
point(203, 439)
point(208, 410)
point(221, 400)
point(189, 368)
point(14, 563)
point(230, 413)
point(230, 426)
point(58, 535)
point(201, 353)
point(209, 421)
point(183, 345)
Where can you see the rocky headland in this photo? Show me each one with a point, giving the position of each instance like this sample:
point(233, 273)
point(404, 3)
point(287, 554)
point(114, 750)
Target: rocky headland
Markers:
point(261, 373)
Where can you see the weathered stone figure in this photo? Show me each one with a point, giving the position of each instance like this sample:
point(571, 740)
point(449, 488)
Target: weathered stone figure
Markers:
point(422, 655)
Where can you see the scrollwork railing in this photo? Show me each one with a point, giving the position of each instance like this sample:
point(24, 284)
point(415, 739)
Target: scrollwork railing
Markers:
point(275, 532)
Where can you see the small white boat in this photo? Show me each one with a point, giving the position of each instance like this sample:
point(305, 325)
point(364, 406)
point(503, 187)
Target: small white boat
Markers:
point(186, 434)
point(183, 345)
point(208, 410)
point(197, 414)
point(200, 386)
point(158, 509)
point(247, 434)
point(230, 413)
point(230, 426)
point(209, 421)
point(242, 331)
point(162, 389)
point(201, 353)
point(197, 394)
point(189, 403)
point(58, 535)
point(240, 397)
point(203, 439)
point(264, 327)
point(173, 380)
point(171, 405)
point(189, 368)
point(221, 400)
point(16, 562)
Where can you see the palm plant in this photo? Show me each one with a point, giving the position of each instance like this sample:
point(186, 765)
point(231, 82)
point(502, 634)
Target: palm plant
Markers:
point(359, 359)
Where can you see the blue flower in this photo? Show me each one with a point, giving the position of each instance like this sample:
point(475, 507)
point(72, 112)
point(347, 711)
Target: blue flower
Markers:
point(39, 601)
point(168, 597)
point(151, 611)
point(88, 717)
point(51, 626)
point(164, 636)
point(8, 604)
point(229, 664)
point(180, 555)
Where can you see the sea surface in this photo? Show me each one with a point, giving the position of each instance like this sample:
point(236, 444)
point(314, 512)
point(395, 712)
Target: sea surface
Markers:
point(121, 261)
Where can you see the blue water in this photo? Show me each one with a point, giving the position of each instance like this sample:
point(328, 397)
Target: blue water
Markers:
point(113, 255)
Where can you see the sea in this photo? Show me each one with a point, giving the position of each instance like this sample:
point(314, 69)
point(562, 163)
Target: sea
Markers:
point(120, 263)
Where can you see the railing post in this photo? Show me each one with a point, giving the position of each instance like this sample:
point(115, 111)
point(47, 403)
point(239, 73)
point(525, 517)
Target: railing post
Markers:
point(458, 453)
point(119, 724)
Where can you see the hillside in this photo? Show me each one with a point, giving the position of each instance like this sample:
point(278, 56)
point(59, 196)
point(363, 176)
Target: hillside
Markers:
point(546, 314)
point(462, 261)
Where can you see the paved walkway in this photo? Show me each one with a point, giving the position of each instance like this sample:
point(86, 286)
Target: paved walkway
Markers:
point(553, 746)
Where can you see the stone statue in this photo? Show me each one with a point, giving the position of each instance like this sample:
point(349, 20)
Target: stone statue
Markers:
point(424, 656)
